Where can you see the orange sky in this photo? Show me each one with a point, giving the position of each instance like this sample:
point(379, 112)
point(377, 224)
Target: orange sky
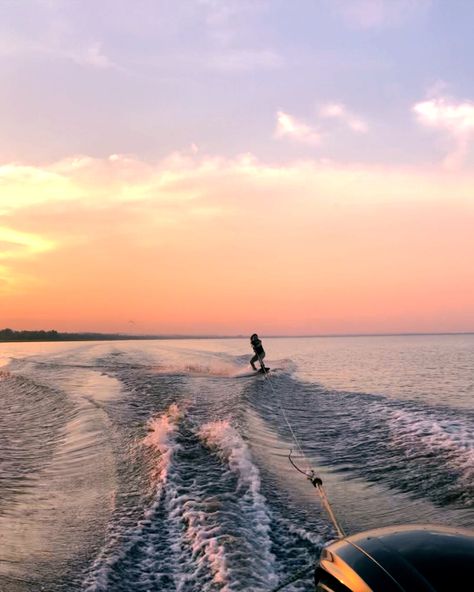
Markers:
point(200, 244)
point(234, 166)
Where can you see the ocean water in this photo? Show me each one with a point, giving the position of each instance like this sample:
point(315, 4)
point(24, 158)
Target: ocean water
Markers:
point(163, 465)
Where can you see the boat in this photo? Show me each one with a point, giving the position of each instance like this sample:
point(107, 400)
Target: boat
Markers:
point(408, 558)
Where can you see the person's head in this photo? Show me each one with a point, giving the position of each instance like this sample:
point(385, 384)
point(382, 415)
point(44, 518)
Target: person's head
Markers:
point(254, 337)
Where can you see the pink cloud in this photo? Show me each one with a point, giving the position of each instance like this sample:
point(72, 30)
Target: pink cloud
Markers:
point(290, 127)
point(454, 118)
point(340, 112)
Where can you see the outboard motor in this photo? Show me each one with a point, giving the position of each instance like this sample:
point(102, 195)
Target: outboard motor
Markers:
point(411, 558)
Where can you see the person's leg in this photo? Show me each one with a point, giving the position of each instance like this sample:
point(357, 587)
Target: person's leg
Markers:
point(253, 360)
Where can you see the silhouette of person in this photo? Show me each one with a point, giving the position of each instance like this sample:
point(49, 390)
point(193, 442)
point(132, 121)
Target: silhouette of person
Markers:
point(258, 350)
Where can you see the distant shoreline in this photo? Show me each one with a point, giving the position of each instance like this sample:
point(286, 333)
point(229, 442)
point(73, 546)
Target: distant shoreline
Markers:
point(10, 336)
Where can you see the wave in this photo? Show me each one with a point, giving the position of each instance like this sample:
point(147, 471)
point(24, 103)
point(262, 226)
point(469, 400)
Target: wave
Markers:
point(437, 446)
point(208, 524)
point(229, 445)
point(31, 427)
point(425, 451)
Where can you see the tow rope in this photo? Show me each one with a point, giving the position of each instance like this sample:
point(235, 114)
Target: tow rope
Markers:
point(311, 476)
point(309, 472)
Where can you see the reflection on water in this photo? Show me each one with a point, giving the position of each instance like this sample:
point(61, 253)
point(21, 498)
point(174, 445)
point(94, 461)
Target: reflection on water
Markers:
point(431, 368)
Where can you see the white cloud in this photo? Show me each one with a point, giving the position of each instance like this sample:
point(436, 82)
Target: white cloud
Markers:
point(454, 118)
point(340, 112)
point(457, 118)
point(290, 127)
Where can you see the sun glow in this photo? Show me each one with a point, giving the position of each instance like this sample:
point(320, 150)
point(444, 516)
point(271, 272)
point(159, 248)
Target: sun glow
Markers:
point(207, 244)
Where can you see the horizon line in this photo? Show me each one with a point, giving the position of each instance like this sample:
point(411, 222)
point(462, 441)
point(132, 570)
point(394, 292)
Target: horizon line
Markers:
point(95, 336)
point(293, 336)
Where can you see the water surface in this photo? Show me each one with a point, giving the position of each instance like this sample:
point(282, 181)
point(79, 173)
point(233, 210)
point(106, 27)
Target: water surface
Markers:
point(163, 465)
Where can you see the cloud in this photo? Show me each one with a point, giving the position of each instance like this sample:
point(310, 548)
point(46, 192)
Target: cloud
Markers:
point(18, 246)
point(184, 181)
point(290, 127)
point(368, 14)
point(340, 112)
point(24, 185)
point(15, 244)
point(454, 118)
point(458, 118)
point(169, 189)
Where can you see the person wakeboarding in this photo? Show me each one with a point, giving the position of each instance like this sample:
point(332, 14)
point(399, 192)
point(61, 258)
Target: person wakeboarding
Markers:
point(259, 352)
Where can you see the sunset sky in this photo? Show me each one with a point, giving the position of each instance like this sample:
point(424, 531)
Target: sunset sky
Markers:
point(225, 167)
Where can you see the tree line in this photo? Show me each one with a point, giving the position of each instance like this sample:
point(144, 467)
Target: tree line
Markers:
point(11, 335)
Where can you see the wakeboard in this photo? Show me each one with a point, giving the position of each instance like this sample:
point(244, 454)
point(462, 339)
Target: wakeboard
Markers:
point(252, 373)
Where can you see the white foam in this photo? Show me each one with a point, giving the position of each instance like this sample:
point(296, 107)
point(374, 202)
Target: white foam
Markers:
point(204, 543)
point(222, 437)
point(161, 443)
point(160, 432)
point(204, 540)
point(218, 369)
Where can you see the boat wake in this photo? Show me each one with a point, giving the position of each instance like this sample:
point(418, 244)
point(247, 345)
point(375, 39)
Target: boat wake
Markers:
point(208, 525)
